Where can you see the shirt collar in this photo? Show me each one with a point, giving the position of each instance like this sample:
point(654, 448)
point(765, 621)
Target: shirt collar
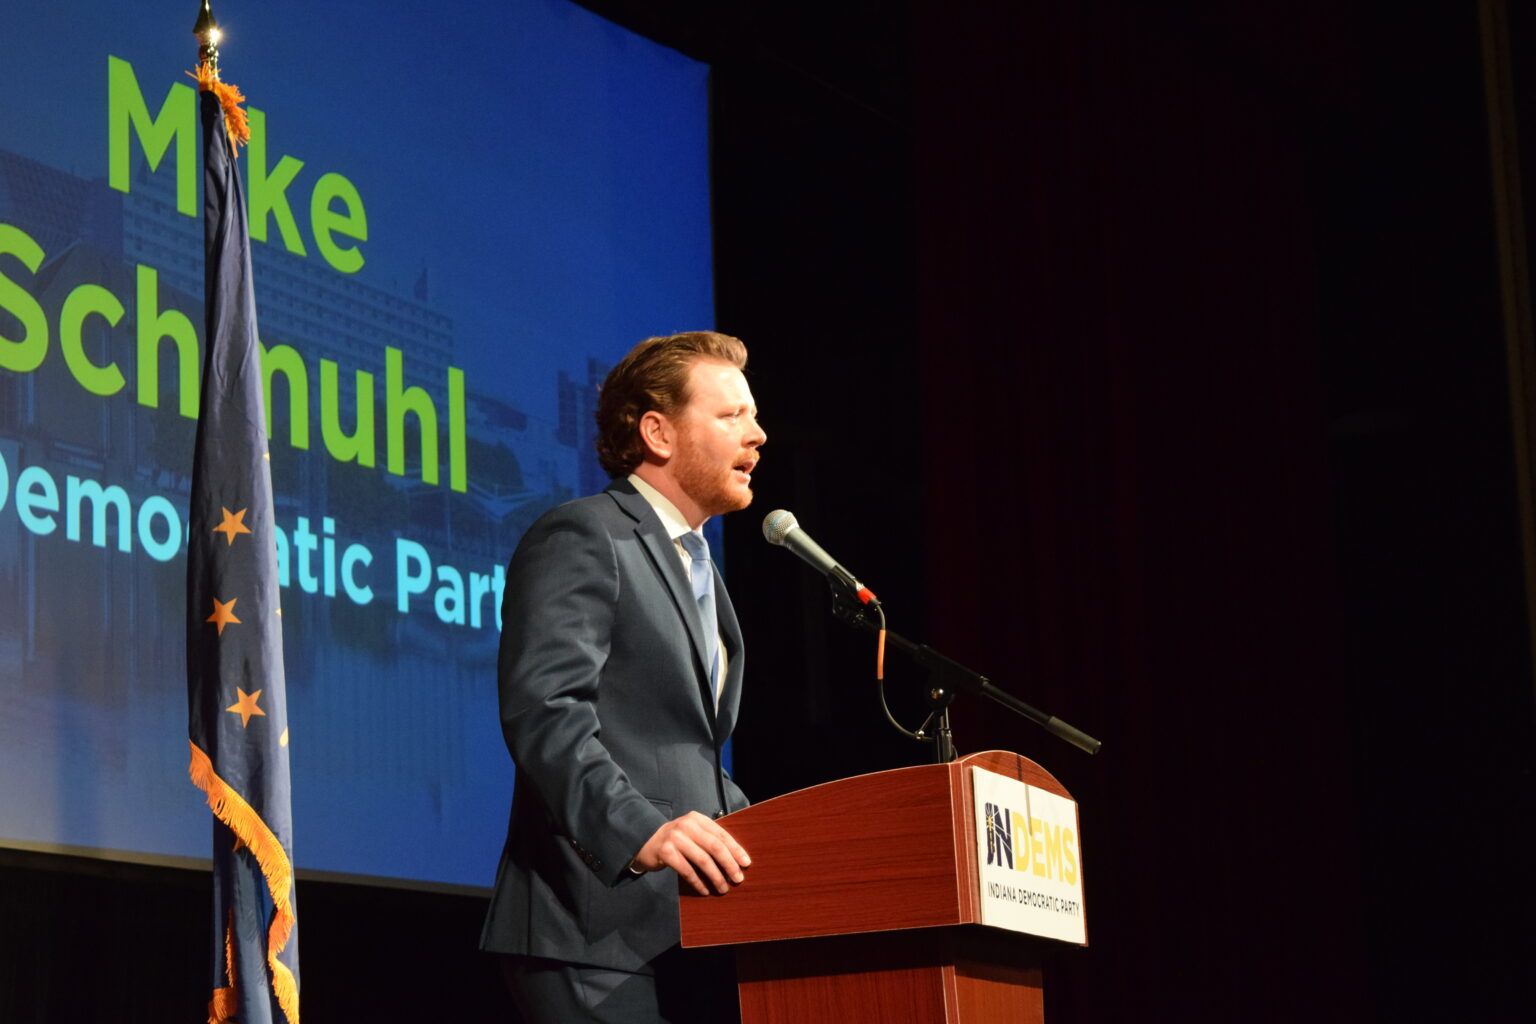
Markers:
point(667, 512)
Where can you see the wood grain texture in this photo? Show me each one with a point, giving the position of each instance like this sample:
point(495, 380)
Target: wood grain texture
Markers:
point(998, 993)
point(891, 995)
point(871, 853)
point(964, 975)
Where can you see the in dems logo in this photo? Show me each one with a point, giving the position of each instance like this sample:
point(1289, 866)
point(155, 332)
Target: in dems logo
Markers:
point(1029, 858)
point(1028, 845)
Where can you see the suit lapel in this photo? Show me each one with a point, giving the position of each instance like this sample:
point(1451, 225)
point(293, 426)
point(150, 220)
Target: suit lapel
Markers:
point(669, 566)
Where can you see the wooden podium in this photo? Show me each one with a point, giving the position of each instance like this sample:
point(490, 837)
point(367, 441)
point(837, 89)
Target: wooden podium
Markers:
point(863, 904)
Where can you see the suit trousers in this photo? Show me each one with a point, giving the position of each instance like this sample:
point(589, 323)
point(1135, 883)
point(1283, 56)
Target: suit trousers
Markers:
point(689, 987)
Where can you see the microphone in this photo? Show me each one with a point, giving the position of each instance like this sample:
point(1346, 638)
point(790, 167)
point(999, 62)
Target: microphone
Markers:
point(780, 527)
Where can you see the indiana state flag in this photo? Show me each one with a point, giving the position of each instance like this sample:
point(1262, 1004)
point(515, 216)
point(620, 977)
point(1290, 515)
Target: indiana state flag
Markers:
point(238, 714)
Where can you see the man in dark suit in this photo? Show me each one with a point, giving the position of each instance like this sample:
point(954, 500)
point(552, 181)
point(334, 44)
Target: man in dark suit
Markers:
point(620, 677)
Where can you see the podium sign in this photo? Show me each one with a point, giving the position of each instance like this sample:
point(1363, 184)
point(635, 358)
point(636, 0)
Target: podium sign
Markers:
point(1028, 859)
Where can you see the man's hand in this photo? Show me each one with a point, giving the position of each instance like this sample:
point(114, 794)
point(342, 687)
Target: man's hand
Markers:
point(694, 845)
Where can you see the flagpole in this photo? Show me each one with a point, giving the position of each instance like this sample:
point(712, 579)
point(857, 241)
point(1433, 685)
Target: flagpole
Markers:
point(236, 691)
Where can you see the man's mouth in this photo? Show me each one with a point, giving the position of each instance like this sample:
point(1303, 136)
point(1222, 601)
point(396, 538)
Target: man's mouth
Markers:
point(745, 467)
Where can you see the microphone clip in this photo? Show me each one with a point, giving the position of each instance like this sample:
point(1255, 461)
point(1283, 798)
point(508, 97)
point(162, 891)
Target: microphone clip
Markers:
point(842, 579)
point(854, 603)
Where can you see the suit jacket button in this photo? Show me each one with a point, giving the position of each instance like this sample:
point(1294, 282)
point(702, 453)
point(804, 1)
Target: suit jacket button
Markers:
point(720, 813)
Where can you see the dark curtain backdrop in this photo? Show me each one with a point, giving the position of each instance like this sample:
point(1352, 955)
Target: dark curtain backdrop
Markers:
point(1127, 491)
point(1146, 358)
point(1217, 467)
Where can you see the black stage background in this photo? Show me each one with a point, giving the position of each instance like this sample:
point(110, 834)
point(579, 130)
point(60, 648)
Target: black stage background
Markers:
point(1152, 363)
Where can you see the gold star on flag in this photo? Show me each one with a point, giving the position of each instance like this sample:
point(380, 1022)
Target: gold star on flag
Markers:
point(234, 522)
point(223, 614)
point(246, 707)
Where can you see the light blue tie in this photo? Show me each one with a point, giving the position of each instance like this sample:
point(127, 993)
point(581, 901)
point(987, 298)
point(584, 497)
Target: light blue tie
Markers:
point(703, 574)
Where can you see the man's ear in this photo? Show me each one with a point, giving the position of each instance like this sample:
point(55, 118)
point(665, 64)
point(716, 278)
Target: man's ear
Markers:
point(658, 435)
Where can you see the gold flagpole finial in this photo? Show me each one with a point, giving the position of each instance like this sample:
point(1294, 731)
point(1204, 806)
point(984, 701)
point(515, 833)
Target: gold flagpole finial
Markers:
point(236, 126)
point(207, 32)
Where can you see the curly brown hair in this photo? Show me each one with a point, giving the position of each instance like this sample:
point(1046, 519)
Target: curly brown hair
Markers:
point(654, 375)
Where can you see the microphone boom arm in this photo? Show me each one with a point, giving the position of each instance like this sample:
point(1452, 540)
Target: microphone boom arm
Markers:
point(951, 675)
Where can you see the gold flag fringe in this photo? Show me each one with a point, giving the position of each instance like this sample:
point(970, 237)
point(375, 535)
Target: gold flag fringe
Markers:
point(236, 125)
point(223, 1006)
point(230, 808)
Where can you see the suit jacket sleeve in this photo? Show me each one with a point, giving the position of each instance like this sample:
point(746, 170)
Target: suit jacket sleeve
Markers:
point(558, 613)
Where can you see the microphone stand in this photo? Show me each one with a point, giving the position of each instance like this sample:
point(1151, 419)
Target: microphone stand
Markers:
point(949, 677)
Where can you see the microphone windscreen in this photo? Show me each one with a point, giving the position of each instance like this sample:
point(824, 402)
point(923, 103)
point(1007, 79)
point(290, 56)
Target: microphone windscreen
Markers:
point(777, 524)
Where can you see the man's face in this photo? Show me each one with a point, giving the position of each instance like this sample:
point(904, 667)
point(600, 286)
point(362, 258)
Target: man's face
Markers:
point(717, 439)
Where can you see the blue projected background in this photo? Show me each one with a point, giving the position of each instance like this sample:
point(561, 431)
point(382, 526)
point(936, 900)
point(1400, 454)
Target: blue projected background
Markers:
point(534, 186)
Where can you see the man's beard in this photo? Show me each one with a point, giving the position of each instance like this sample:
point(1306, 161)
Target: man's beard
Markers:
point(712, 487)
